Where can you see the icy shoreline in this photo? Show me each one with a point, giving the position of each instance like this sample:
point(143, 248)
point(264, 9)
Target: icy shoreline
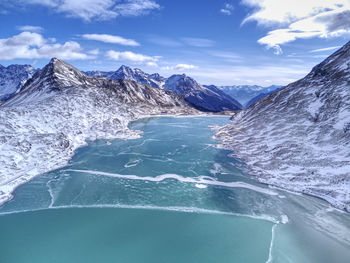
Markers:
point(39, 137)
point(288, 177)
point(9, 186)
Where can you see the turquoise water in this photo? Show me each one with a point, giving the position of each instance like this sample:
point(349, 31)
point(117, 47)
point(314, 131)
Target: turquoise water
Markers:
point(170, 196)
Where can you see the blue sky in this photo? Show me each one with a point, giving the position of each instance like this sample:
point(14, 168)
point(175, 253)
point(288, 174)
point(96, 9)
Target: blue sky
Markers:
point(217, 42)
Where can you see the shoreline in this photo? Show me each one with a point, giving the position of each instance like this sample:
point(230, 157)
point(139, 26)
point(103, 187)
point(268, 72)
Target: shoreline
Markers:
point(334, 203)
point(7, 188)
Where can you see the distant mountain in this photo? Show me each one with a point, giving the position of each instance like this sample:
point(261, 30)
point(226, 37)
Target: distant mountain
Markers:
point(60, 108)
point(202, 98)
point(127, 73)
point(12, 78)
point(258, 97)
point(223, 94)
point(244, 93)
point(298, 138)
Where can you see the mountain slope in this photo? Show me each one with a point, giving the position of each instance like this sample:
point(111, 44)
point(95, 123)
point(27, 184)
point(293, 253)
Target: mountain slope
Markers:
point(59, 109)
point(298, 138)
point(12, 77)
point(245, 93)
point(201, 97)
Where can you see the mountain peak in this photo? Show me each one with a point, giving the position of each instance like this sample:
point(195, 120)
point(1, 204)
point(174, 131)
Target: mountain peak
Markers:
point(60, 67)
point(124, 68)
point(53, 60)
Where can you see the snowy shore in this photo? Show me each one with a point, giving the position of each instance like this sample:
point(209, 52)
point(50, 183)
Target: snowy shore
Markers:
point(39, 137)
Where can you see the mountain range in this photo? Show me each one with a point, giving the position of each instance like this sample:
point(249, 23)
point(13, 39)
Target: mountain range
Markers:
point(205, 98)
point(198, 96)
point(298, 138)
point(248, 94)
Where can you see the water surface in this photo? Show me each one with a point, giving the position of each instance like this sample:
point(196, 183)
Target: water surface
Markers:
point(170, 196)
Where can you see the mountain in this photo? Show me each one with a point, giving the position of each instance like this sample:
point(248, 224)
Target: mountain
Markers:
point(298, 138)
point(60, 108)
point(199, 96)
point(12, 77)
point(127, 73)
point(244, 93)
point(258, 97)
point(223, 95)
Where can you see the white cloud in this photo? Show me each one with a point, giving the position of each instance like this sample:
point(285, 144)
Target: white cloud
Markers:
point(227, 9)
point(94, 52)
point(95, 9)
point(324, 49)
point(180, 67)
point(36, 29)
point(130, 56)
point(299, 19)
point(185, 66)
point(111, 39)
point(136, 7)
point(28, 45)
point(152, 64)
point(198, 42)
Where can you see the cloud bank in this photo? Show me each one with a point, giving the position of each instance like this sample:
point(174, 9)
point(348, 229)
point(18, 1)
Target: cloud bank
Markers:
point(111, 39)
point(88, 10)
point(30, 45)
point(299, 19)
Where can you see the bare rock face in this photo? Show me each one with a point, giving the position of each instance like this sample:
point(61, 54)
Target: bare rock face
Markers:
point(298, 138)
point(60, 108)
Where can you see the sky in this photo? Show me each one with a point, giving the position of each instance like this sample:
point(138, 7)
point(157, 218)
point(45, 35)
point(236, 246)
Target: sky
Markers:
point(260, 42)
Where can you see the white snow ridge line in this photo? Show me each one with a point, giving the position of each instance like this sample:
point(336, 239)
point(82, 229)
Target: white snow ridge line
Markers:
point(269, 260)
point(195, 180)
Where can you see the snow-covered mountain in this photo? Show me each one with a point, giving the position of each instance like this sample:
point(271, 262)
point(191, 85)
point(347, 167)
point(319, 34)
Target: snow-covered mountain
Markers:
point(202, 98)
point(245, 93)
point(12, 77)
point(60, 108)
point(127, 73)
point(298, 138)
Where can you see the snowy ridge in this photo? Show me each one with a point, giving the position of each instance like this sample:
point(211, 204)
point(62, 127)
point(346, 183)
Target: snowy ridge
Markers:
point(298, 137)
point(127, 73)
point(12, 78)
point(59, 109)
